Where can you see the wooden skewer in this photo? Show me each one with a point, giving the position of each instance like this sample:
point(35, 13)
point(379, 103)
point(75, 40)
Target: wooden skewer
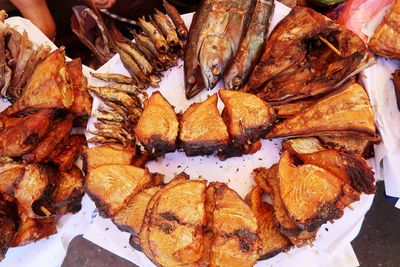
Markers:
point(330, 45)
point(45, 211)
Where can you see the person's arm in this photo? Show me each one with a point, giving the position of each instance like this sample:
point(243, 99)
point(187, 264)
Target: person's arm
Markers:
point(38, 12)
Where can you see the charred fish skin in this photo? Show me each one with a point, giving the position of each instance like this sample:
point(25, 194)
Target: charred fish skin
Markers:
point(251, 47)
point(194, 82)
point(221, 36)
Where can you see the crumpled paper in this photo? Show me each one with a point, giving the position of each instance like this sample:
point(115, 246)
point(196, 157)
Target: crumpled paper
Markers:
point(332, 247)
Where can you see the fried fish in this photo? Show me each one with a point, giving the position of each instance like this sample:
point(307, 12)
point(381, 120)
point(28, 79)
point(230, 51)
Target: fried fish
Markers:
point(386, 40)
point(157, 128)
point(347, 112)
point(48, 86)
point(306, 55)
point(202, 130)
point(112, 186)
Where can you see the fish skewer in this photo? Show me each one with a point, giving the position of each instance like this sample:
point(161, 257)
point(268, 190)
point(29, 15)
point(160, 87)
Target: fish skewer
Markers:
point(251, 46)
point(154, 35)
point(177, 19)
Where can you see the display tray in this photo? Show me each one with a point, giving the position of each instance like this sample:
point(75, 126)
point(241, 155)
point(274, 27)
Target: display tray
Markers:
point(332, 246)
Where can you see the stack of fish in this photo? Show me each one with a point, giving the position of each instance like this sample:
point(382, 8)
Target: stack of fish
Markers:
point(154, 50)
point(226, 38)
point(124, 105)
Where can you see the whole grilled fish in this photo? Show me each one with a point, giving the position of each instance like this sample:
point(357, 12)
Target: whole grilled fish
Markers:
point(251, 47)
point(194, 82)
point(221, 36)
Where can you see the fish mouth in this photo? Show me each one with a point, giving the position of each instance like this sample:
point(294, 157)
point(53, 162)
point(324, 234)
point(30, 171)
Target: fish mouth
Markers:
point(194, 85)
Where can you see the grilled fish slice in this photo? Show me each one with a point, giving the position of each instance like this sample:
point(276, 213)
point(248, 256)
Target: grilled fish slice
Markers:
point(34, 190)
point(349, 144)
point(248, 117)
point(69, 188)
point(308, 192)
point(157, 128)
point(202, 129)
point(106, 154)
point(144, 230)
point(112, 186)
point(352, 169)
point(21, 135)
point(236, 241)
point(307, 54)
point(58, 132)
point(273, 242)
point(66, 154)
point(251, 47)
point(176, 224)
point(286, 225)
point(130, 217)
point(8, 225)
point(10, 175)
point(47, 88)
point(31, 230)
point(347, 112)
point(305, 145)
point(386, 40)
point(288, 110)
point(82, 105)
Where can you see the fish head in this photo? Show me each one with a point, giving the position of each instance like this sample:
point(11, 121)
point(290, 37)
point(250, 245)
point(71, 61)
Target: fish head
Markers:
point(214, 55)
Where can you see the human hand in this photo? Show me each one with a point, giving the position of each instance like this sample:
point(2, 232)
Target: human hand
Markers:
point(106, 4)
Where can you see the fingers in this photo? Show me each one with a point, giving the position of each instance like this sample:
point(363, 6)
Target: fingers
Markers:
point(106, 4)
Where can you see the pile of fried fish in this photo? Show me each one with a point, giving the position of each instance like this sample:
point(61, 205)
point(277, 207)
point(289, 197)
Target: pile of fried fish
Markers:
point(38, 176)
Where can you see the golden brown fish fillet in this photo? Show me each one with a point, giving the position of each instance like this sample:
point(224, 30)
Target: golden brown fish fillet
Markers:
point(111, 187)
point(302, 145)
point(350, 168)
point(66, 154)
point(235, 229)
point(144, 230)
point(107, 154)
point(157, 128)
point(34, 190)
point(290, 109)
point(386, 40)
point(309, 193)
point(21, 135)
point(347, 112)
point(396, 80)
point(69, 188)
point(130, 217)
point(286, 226)
point(349, 144)
point(58, 133)
point(248, 117)
point(82, 105)
point(176, 224)
point(273, 241)
point(48, 87)
point(8, 225)
point(202, 130)
point(10, 176)
point(306, 55)
point(31, 230)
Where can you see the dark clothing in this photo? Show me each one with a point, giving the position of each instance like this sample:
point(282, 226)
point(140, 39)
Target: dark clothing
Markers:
point(133, 9)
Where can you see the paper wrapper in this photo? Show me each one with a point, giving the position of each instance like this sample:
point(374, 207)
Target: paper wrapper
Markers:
point(47, 252)
point(377, 80)
point(332, 247)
